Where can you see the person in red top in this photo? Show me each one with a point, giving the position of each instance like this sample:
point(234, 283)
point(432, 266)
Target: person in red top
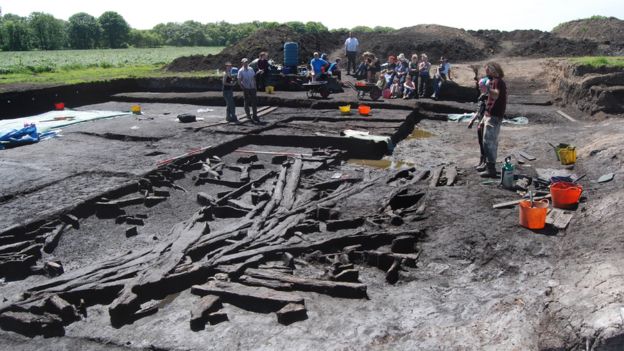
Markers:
point(495, 110)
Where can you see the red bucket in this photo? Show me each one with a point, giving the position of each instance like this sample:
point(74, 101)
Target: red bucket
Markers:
point(565, 195)
point(364, 110)
point(59, 106)
point(533, 217)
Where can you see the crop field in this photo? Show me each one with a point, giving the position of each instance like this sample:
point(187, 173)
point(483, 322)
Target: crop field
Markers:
point(48, 61)
point(72, 66)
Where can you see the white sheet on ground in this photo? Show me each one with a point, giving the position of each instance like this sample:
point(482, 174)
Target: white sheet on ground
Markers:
point(57, 119)
point(349, 133)
point(465, 117)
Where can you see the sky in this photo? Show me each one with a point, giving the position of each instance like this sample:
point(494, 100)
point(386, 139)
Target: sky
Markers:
point(502, 14)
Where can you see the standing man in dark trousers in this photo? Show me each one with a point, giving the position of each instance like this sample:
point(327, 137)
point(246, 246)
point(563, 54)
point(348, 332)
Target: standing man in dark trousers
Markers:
point(263, 70)
point(228, 94)
point(494, 112)
point(351, 48)
point(247, 82)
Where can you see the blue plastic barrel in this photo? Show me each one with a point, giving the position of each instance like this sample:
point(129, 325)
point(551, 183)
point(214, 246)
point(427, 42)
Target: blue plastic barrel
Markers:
point(291, 54)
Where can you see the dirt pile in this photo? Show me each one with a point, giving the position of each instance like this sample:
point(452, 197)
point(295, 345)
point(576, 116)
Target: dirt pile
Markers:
point(497, 41)
point(548, 45)
point(434, 40)
point(270, 40)
point(602, 36)
point(608, 31)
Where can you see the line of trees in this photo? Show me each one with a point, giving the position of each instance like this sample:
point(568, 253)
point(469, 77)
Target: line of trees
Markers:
point(42, 31)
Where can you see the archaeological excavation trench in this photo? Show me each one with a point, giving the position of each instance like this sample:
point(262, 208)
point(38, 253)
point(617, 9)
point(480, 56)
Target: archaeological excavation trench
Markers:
point(153, 234)
point(257, 220)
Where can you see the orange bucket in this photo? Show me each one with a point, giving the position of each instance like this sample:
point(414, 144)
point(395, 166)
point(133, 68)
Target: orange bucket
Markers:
point(565, 194)
point(533, 217)
point(364, 110)
point(59, 106)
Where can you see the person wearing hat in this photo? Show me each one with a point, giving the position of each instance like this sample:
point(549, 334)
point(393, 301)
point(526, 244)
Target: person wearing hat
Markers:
point(228, 94)
point(247, 81)
point(443, 73)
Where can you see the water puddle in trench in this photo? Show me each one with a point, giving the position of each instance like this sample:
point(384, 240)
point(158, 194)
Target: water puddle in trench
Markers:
point(420, 134)
point(381, 164)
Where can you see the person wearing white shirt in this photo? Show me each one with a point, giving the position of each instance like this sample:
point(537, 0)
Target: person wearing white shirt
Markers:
point(247, 81)
point(351, 48)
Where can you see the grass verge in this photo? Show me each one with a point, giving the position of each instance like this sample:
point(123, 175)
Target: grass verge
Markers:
point(600, 61)
point(92, 74)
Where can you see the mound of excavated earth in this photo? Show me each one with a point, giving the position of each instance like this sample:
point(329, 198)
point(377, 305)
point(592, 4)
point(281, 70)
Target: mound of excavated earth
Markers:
point(270, 40)
point(603, 30)
point(575, 38)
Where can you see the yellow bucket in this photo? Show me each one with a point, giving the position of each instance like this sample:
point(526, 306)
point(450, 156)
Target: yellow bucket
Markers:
point(345, 109)
point(567, 155)
point(136, 109)
point(269, 89)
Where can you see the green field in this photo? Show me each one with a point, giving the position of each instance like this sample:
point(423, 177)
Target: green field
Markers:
point(600, 61)
point(72, 66)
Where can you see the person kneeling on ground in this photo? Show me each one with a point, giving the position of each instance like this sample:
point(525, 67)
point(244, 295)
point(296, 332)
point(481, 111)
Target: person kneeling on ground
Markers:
point(495, 110)
point(334, 70)
point(247, 81)
point(372, 67)
point(381, 82)
point(408, 88)
point(317, 66)
point(360, 72)
point(228, 94)
point(443, 73)
point(395, 89)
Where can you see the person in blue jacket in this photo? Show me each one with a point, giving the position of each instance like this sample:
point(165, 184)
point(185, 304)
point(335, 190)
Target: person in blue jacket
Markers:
point(318, 66)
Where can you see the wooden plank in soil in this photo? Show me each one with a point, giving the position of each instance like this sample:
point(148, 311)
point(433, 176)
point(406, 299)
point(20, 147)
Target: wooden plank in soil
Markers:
point(559, 218)
point(435, 177)
point(451, 175)
point(527, 156)
point(328, 287)
point(202, 310)
point(248, 296)
point(290, 189)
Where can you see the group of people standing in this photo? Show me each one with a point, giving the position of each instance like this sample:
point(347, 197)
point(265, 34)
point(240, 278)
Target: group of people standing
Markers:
point(249, 80)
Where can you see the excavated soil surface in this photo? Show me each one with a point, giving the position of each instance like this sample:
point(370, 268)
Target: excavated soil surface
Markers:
point(480, 282)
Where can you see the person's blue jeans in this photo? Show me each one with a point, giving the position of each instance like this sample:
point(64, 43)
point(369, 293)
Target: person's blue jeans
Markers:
point(437, 85)
point(491, 129)
point(230, 107)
